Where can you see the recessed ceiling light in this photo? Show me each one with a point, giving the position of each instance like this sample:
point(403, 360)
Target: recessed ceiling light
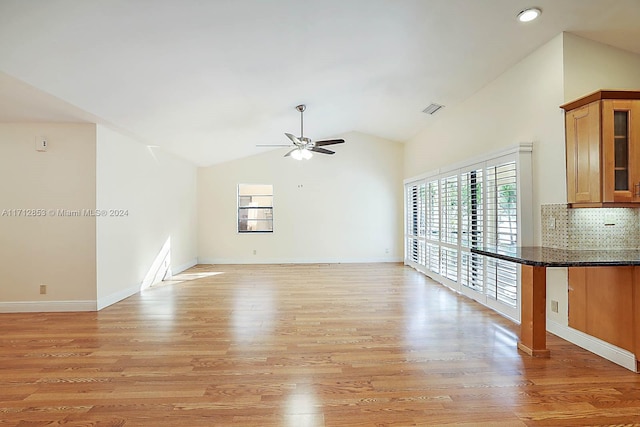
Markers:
point(529, 15)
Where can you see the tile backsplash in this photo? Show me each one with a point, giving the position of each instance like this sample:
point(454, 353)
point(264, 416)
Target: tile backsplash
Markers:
point(555, 226)
point(585, 228)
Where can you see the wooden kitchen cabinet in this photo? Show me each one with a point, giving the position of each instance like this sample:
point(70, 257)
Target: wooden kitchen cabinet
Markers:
point(601, 304)
point(602, 135)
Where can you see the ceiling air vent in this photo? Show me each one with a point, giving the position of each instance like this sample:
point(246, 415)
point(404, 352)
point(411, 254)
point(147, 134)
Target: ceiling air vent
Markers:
point(432, 108)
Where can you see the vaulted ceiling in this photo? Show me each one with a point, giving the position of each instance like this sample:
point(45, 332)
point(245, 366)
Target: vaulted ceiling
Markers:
point(210, 79)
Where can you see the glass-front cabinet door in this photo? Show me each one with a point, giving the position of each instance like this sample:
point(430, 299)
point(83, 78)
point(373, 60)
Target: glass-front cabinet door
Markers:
point(620, 133)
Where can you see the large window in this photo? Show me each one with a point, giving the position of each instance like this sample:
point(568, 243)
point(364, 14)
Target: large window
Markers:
point(255, 208)
point(481, 204)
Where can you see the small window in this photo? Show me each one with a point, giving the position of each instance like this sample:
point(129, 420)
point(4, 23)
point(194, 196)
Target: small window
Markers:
point(255, 208)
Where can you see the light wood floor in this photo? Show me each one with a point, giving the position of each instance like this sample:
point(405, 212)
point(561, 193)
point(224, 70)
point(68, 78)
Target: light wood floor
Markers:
point(314, 345)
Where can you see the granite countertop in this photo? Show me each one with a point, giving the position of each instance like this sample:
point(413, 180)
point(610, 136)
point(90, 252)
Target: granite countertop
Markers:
point(540, 256)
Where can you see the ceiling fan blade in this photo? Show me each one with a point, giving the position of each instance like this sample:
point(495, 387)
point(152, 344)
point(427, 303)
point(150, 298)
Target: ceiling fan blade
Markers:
point(294, 139)
point(322, 150)
point(289, 153)
point(329, 142)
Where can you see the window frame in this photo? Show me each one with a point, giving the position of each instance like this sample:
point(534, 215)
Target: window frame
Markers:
point(240, 208)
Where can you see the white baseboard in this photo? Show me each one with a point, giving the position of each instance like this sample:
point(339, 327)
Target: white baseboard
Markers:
point(176, 269)
point(118, 296)
point(132, 290)
point(297, 260)
point(610, 352)
point(46, 306)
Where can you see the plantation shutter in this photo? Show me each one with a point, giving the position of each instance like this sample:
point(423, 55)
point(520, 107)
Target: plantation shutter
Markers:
point(432, 191)
point(457, 209)
point(502, 230)
point(449, 227)
point(472, 223)
point(412, 221)
point(421, 223)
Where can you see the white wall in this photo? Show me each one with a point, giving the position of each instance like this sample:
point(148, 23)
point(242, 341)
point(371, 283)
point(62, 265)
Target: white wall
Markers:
point(158, 191)
point(341, 208)
point(55, 249)
point(522, 105)
point(590, 66)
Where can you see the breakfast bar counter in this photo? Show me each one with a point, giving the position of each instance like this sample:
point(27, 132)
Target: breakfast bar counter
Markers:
point(534, 261)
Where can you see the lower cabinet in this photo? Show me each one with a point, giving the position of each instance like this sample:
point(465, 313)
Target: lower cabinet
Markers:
point(604, 302)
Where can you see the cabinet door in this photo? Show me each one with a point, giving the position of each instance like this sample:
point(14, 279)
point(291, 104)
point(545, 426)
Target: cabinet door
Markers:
point(610, 305)
point(582, 128)
point(621, 146)
point(601, 303)
point(578, 298)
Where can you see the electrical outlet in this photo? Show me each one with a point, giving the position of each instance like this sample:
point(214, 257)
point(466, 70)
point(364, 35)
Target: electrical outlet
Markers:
point(386, 251)
point(43, 289)
point(609, 219)
point(554, 306)
point(41, 143)
point(255, 252)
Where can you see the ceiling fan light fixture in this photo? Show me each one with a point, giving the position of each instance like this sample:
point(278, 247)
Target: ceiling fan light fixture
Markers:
point(297, 154)
point(301, 154)
point(529, 14)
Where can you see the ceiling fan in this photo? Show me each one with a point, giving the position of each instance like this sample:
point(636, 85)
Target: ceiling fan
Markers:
point(303, 146)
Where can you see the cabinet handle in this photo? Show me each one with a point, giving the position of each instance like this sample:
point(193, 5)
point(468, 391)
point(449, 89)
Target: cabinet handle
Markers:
point(636, 190)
